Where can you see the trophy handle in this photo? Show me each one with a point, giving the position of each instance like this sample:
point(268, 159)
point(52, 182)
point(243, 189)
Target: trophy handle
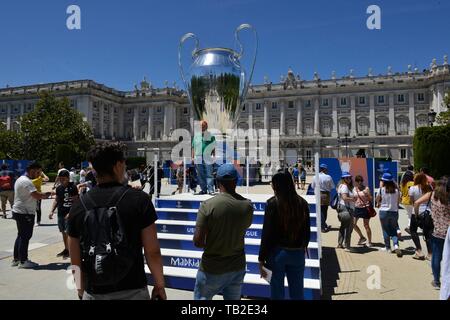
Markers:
point(241, 53)
point(180, 48)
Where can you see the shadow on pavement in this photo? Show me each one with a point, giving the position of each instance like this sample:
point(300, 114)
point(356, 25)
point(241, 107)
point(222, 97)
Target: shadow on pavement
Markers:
point(47, 225)
point(53, 266)
point(330, 269)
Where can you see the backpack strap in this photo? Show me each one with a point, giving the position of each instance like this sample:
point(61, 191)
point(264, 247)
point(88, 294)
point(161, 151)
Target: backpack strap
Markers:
point(90, 203)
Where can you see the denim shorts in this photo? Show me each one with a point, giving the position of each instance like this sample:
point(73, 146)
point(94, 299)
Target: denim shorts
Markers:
point(207, 285)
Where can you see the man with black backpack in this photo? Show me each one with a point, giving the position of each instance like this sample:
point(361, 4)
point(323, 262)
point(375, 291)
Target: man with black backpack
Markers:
point(107, 228)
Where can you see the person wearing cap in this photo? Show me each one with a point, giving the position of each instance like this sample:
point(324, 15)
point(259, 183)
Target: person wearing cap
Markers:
point(74, 177)
point(203, 149)
point(326, 184)
point(388, 200)
point(220, 229)
point(345, 209)
point(66, 194)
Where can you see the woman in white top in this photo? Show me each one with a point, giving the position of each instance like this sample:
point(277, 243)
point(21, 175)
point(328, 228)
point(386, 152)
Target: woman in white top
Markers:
point(420, 188)
point(345, 210)
point(387, 200)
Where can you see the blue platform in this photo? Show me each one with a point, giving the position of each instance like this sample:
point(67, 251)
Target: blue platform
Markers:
point(176, 226)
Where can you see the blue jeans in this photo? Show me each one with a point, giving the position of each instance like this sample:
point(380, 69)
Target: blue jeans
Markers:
point(205, 177)
point(292, 264)
point(389, 223)
point(207, 285)
point(436, 257)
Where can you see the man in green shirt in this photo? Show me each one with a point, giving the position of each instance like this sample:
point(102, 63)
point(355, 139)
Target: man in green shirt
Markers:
point(203, 147)
point(220, 229)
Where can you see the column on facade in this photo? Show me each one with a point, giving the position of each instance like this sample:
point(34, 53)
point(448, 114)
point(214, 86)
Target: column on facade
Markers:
point(166, 122)
point(121, 122)
point(266, 116)
point(334, 133)
point(102, 120)
point(136, 123)
point(111, 122)
point(173, 116)
point(22, 109)
point(353, 122)
point(391, 115)
point(250, 115)
point(149, 123)
point(412, 114)
point(316, 117)
point(372, 115)
point(8, 117)
point(282, 117)
point(440, 98)
point(299, 118)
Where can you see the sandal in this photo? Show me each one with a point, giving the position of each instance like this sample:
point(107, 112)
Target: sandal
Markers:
point(417, 257)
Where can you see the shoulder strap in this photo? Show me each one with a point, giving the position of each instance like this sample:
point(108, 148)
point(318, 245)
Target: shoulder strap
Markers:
point(88, 198)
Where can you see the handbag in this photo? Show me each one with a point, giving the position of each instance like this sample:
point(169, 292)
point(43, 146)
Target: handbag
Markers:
point(370, 209)
point(424, 219)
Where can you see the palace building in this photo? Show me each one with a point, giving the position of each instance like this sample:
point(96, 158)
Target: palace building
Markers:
point(337, 117)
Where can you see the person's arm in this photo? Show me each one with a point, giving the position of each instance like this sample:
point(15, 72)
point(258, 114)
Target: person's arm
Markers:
point(152, 254)
point(200, 237)
point(201, 230)
point(75, 260)
point(423, 199)
point(368, 194)
point(39, 195)
point(266, 238)
point(378, 199)
point(44, 177)
point(54, 204)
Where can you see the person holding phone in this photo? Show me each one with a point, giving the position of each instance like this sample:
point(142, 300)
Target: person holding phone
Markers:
point(24, 210)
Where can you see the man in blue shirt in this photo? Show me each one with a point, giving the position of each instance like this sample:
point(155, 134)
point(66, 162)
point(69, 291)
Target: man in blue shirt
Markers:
point(326, 185)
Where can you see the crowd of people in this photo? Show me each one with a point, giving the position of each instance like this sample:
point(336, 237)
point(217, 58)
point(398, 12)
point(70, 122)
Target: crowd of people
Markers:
point(427, 204)
point(106, 225)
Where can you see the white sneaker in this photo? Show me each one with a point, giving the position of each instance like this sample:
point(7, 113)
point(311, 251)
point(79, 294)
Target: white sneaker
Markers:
point(28, 265)
point(387, 250)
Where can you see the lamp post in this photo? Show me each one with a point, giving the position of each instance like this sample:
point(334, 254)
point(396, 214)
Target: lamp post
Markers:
point(431, 117)
point(346, 140)
point(372, 143)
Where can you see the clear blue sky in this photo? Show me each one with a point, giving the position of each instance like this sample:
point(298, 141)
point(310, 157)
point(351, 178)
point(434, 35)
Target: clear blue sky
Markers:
point(121, 41)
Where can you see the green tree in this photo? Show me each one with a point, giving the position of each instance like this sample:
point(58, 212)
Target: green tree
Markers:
point(11, 144)
point(444, 117)
point(432, 149)
point(53, 122)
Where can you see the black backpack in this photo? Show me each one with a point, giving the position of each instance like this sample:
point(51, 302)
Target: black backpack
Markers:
point(105, 252)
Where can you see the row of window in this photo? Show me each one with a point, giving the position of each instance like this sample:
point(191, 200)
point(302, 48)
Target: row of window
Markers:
point(343, 101)
point(344, 126)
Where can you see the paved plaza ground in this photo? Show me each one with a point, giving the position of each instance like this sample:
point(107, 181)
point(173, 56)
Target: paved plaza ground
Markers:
point(344, 274)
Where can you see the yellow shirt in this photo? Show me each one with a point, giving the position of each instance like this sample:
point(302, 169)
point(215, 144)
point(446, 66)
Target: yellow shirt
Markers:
point(405, 196)
point(38, 183)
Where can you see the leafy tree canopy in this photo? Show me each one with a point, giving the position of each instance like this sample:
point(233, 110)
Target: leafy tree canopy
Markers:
point(53, 122)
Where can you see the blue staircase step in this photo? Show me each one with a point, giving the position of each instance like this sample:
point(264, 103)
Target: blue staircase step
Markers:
point(184, 242)
point(191, 215)
point(254, 286)
point(188, 227)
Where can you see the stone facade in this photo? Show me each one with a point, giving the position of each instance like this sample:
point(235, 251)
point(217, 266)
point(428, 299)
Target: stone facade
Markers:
point(335, 117)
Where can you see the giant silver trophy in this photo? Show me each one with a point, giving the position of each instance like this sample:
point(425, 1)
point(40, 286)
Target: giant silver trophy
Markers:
point(216, 82)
